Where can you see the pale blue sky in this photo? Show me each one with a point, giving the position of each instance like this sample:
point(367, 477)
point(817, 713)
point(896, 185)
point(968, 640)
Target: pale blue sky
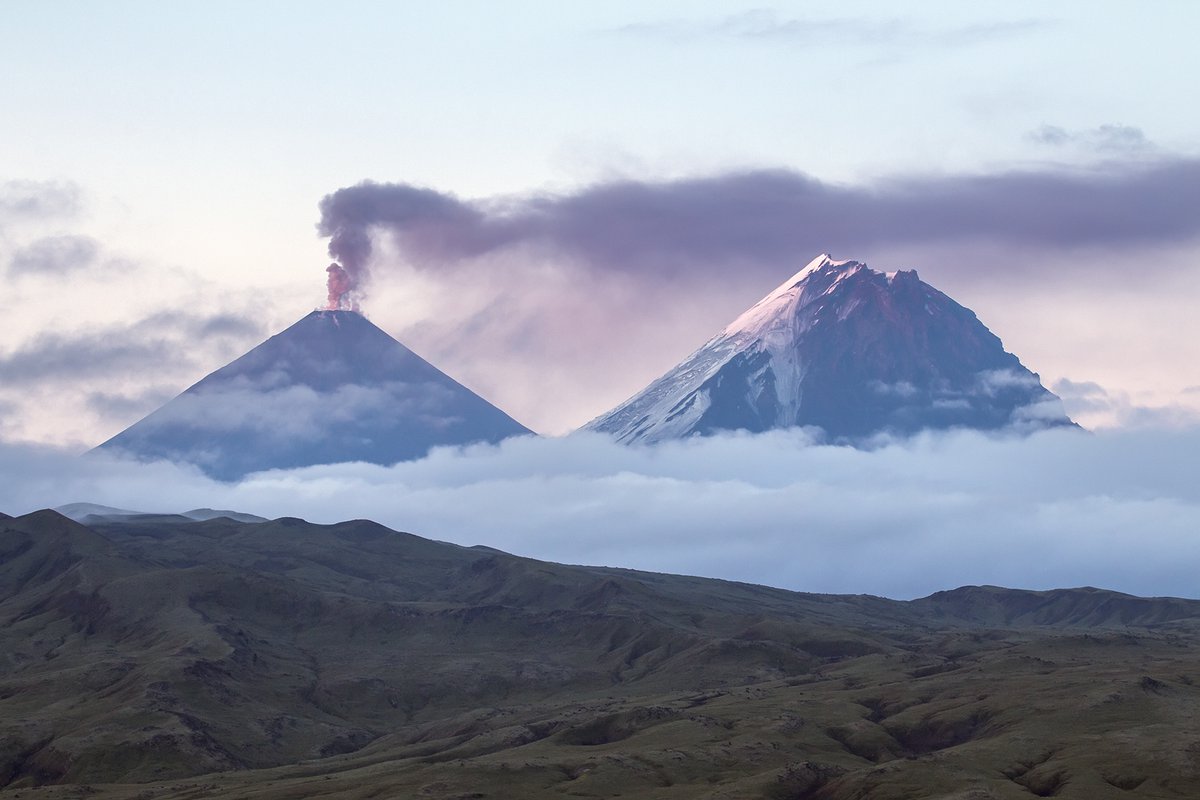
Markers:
point(306, 96)
point(201, 135)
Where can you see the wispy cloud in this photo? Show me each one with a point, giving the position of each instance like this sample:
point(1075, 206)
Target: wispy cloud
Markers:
point(1096, 406)
point(165, 340)
point(81, 385)
point(768, 25)
point(38, 199)
point(129, 405)
point(1110, 139)
point(55, 255)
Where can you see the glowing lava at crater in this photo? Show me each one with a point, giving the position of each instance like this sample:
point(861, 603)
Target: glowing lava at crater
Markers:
point(341, 286)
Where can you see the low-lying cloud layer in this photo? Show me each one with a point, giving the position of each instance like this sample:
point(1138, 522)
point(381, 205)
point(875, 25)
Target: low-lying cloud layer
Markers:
point(1119, 510)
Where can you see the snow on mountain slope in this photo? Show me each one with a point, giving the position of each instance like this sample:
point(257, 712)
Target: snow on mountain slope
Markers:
point(847, 349)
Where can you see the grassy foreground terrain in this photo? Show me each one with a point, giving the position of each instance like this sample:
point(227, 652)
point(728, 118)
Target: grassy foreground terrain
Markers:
point(158, 657)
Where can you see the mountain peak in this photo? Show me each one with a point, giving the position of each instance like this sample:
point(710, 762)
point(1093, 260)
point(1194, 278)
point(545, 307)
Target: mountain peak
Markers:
point(332, 387)
point(847, 349)
point(816, 278)
point(824, 263)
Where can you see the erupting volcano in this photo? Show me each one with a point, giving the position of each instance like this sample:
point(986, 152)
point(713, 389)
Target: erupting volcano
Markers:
point(331, 388)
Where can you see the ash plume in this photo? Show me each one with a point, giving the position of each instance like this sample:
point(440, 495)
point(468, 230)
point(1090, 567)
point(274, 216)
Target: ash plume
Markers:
point(427, 220)
point(759, 219)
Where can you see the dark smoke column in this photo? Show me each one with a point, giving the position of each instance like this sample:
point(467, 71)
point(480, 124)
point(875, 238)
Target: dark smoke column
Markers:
point(426, 226)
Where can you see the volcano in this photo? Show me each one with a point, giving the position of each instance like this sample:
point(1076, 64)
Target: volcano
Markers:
point(331, 388)
point(851, 351)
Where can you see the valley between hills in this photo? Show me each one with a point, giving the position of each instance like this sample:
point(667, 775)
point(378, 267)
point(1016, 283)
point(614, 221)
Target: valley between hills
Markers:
point(165, 657)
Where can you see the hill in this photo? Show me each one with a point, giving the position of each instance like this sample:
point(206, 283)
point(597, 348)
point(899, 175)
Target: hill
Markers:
point(169, 657)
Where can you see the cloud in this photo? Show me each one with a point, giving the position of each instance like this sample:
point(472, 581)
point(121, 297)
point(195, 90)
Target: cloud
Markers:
point(55, 255)
point(129, 405)
point(38, 199)
point(1106, 139)
point(79, 386)
point(1095, 406)
point(995, 381)
point(8, 412)
point(1117, 509)
point(767, 25)
point(164, 340)
point(69, 357)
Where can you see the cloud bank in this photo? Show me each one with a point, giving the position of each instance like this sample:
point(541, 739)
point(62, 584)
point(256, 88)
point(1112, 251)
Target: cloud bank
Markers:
point(1119, 510)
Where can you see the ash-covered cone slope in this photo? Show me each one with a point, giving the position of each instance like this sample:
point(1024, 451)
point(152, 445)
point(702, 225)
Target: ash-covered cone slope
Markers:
point(847, 349)
point(331, 388)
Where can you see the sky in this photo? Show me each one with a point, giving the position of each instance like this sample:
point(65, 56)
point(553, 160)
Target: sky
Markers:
point(563, 200)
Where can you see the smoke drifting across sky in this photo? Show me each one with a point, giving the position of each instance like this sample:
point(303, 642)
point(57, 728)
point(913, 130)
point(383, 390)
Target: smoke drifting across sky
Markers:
point(1061, 508)
point(513, 294)
point(769, 217)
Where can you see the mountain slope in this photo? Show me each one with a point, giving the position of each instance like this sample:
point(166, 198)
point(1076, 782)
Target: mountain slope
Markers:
point(331, 388)
point(349, 661)
point(846, 349)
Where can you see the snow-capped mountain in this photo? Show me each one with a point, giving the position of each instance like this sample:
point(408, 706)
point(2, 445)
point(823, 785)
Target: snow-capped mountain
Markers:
point(331, 388)
point(847, 349)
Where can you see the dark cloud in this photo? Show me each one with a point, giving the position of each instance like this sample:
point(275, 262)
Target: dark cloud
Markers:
point(427, 219)
point(55, 255)
point(767, 218)
point(69, 357)
point(766, 25)
point(166, 341)
point(1063, 508)
point(129, 405)
point(222, 325)
point(38, 199)
point(1107, 139)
